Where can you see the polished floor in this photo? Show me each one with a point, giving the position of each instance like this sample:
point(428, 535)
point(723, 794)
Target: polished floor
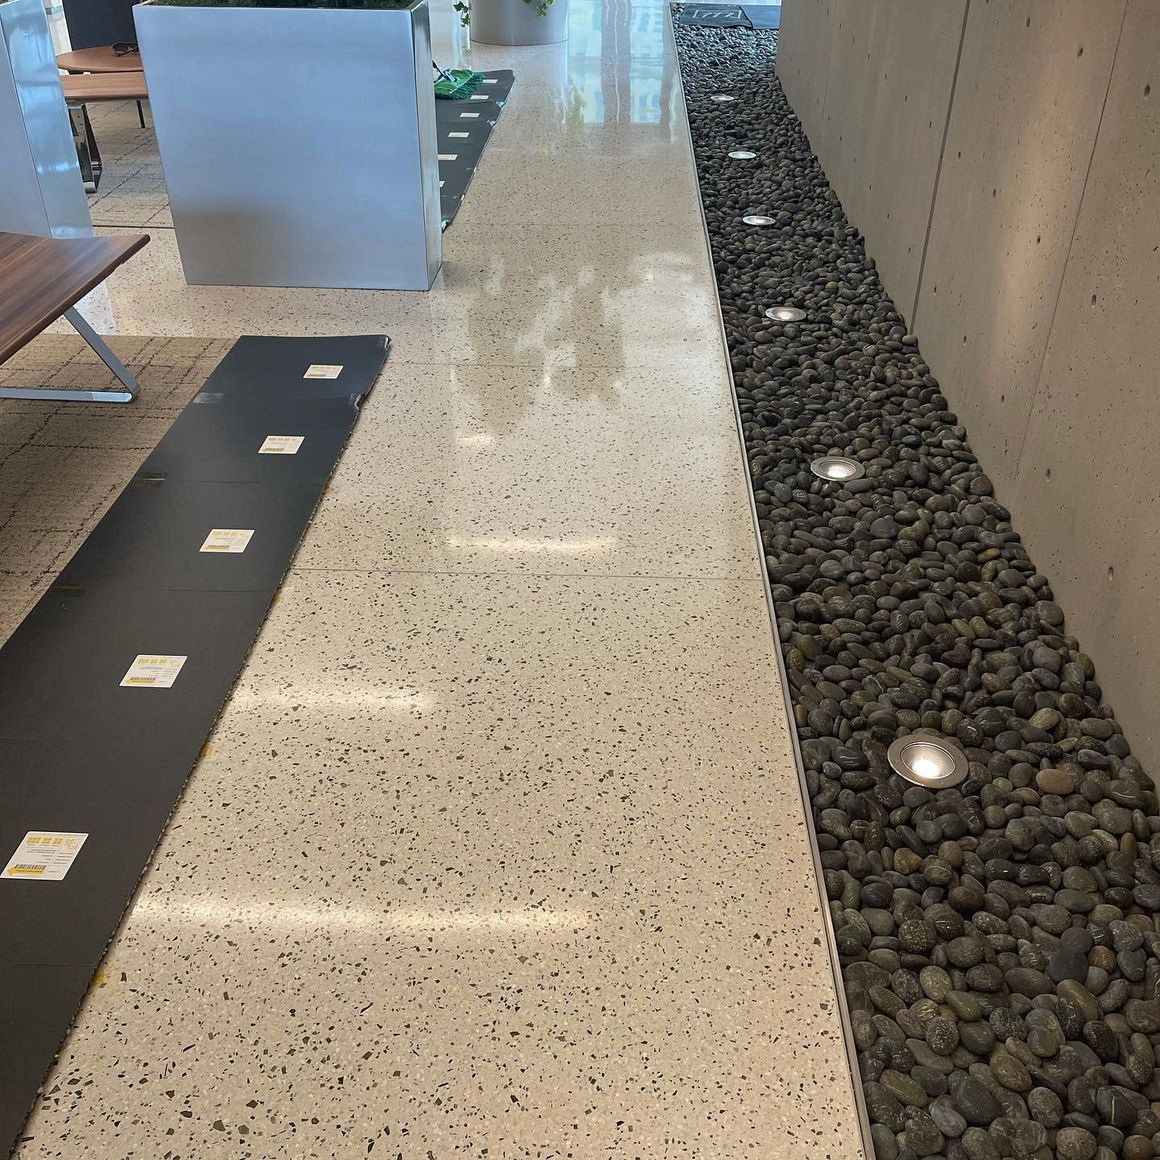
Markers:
point(498, 848)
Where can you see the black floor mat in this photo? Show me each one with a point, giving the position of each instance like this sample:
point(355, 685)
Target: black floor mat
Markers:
point(94, 743)
point(465, 127)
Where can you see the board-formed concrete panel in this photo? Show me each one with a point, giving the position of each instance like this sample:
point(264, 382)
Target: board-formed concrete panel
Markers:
point(803, 59)
point(892, 68)
point(840, 144)
point(903, 143)
point(1032, 80)
point(1089, 477)
point(1001, 263)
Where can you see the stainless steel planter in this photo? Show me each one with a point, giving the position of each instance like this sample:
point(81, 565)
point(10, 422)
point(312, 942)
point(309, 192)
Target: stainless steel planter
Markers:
point(298, 144)
point(515, 22)
point(40, 180)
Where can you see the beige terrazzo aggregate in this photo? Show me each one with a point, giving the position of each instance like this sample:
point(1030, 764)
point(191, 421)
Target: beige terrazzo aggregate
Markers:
point(498, 849)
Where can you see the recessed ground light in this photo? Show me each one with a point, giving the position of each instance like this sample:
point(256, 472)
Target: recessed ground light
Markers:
point(722, 98)
point(757, 219)
point(785, 314)
point(837, 467)
point(742, 154)
point(932, 762)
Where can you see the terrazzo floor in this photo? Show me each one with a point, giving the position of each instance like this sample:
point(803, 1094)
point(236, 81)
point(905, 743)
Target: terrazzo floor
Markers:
point(498, 848)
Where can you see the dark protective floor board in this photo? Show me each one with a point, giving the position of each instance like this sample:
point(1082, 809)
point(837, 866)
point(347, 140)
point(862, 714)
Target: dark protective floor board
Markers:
point(258, 367)
point(60, 671)
point(459, 156)
point(153, 536)
point(763, 15)
point(80, 752)
point(120, 793)
point(35, 1001)
point(730, 15)
point(219, 443)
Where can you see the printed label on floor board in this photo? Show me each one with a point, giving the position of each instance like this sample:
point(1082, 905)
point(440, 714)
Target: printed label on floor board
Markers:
point(44, 855)
point(207, 397)
point(458, 134)
point(281, 444)
point(480, 97)
point(463, 115)
point(227, 540)
point(322, 371)
point(448, 156)
point(150, 671)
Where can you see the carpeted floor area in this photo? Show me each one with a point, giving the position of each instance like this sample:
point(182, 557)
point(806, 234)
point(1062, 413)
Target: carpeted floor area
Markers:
point(62, 464)
point(132, 190)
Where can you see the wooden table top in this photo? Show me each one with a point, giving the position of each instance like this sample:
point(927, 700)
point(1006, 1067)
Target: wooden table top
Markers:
point(40, 278)
point(99, 60)
point(126, 86)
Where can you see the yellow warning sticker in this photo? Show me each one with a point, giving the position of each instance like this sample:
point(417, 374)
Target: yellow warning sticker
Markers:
point(44, 855)
point(281, 444)
point(227, 540)
point(150, 671)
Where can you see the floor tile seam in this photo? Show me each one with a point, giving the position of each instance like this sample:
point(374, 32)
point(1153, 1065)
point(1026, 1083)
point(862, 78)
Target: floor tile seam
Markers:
point(314, 570)
point(131, 226)
point(444, 364)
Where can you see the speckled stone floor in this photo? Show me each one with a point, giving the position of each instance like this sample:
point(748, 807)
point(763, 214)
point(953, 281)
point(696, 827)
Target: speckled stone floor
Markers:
point(498, 848)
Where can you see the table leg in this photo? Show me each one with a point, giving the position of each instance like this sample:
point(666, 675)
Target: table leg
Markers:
point(127, 395)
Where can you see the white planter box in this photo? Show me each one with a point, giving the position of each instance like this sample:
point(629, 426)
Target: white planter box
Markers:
point(516, 22)
point(299, 144)
point(41, 191)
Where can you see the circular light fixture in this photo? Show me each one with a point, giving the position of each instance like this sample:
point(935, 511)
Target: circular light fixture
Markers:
point(757, 219)
point(837, 468)
point(932, 762)
point(722, 98)
point(742, 154)
point(785, 314)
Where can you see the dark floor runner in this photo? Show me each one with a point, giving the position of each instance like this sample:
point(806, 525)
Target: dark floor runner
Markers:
point(465, 127)
point(95, 744)
point(730, 15)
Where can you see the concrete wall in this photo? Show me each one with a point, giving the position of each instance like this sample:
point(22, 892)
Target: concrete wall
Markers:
point(1002, 158)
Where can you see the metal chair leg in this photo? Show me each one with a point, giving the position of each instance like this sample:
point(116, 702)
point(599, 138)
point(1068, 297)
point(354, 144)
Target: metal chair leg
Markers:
point(88, 154)
point(141, 114)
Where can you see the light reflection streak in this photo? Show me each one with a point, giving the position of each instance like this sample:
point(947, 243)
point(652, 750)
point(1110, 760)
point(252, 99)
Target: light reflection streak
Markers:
point(592, 545)
point(285, 915)
point(341, 694)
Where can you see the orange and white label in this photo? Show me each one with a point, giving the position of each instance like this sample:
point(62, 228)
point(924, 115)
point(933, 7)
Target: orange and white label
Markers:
point(150, 671)
point(231, 540)
point(281, 444)
point(44, 856)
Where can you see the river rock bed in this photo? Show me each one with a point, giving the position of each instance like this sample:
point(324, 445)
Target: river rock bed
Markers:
point(999, 941)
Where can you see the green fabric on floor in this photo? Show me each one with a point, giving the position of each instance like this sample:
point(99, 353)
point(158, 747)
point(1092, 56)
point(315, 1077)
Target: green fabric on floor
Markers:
point(457, 84)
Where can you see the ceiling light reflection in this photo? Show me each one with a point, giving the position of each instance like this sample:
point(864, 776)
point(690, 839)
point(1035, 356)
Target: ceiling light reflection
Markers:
point(281, 915)
point(342, 694)
point(548, 545)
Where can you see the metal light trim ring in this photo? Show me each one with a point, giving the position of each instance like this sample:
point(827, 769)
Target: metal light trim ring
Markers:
point(946, 762)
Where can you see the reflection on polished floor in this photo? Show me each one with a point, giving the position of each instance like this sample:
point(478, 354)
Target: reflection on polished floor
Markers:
point(498, 848)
